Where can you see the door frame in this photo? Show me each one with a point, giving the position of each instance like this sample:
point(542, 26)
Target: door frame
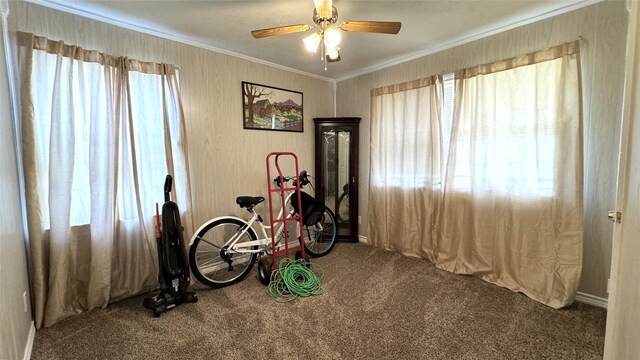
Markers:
point(623, 314)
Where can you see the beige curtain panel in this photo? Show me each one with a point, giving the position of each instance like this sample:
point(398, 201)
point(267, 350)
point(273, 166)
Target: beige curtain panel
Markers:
point(513, 186)
point(405, 187)
point(99, 134)
point(510, 205)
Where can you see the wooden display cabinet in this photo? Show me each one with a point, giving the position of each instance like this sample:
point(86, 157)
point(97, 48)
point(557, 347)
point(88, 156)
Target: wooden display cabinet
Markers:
point(337, 171)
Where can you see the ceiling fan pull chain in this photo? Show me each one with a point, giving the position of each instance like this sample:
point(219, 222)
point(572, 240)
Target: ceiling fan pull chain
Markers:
point(324, 57)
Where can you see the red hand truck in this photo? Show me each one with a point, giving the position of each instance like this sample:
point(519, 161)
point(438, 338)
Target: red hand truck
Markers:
point(279, 189)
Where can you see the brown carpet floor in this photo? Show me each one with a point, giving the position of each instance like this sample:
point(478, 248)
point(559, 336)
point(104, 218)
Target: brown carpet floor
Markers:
point(376, 305)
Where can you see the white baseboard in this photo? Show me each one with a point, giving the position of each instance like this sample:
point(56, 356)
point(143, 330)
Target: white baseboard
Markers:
point(592, 300)
point(363, 239)
point(29, 346)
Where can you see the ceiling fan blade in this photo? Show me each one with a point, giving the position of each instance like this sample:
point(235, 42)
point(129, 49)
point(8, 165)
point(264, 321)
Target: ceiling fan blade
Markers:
point(383, 27)
point(324, 8)
point(281, 30)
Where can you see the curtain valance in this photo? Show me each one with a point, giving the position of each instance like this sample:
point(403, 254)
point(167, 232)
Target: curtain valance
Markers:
point(409, 85)
point(29, 40)
point(556, 52)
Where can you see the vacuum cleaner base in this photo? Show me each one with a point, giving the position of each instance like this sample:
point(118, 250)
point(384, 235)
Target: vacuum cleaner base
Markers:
point(164, 301)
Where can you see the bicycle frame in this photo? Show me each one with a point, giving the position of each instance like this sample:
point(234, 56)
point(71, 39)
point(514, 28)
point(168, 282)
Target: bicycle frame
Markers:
point(265, 240)
point(246, 247)
point(224, 249)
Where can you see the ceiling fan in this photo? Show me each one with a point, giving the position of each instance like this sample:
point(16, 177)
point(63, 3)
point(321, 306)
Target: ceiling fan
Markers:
point(327, 35)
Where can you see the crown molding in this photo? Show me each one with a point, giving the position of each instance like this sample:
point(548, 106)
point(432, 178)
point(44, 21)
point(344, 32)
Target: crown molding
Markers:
point(468, 39)
point(68, 8)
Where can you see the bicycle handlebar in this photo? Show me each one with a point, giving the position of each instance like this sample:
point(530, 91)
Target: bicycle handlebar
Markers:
point(303, 179)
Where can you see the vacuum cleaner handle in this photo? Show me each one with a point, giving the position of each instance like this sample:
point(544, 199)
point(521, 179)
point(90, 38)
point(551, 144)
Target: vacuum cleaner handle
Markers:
point(167, 188)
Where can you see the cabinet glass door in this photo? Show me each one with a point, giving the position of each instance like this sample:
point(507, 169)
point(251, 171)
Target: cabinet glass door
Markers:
point(337, 171)
point(337, 177)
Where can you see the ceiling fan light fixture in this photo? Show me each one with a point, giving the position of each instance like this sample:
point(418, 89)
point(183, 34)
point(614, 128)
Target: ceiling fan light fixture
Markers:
point(333, 54)
point(327, 34)
point(332, 38)
point(312, 41)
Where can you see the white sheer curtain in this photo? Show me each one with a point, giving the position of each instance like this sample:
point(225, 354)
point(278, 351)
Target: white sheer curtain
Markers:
point(512, 211)
point(99, 134)
point(509, 207)
point(404, 190)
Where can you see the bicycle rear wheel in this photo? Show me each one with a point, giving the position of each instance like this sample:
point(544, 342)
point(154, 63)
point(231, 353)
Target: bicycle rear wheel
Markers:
point(212, 263)
point(319, 238)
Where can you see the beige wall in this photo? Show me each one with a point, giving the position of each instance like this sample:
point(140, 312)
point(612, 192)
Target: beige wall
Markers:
point(15, 323)
point(603, 29)
point(225, 160)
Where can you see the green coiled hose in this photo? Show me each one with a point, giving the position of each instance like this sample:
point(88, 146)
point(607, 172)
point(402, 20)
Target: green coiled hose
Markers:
point(295, 278)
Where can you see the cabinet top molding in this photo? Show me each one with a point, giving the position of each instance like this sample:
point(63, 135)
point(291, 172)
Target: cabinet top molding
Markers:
point(337, 119)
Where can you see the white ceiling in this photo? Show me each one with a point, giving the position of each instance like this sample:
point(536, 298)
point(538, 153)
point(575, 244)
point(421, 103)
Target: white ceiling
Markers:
point(427, 26)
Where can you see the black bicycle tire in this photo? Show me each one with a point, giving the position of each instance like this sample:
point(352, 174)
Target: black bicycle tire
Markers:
point(332, 243)
point(193, 251)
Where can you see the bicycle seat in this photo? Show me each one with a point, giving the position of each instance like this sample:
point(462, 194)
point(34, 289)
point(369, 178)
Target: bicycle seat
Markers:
point(249, 201)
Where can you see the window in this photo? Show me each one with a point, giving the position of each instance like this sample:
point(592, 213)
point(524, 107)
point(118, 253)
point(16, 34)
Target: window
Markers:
point(406, 135)
point(511, 195)
point(507, 133)
point(83, 105)
point(99, 135)
point(61, 132)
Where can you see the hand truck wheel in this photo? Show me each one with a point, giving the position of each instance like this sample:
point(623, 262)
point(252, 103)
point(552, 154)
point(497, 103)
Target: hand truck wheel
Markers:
point(264, 270)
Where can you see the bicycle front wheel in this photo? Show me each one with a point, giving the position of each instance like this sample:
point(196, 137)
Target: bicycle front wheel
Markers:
point(319, 238)
point(212, 262)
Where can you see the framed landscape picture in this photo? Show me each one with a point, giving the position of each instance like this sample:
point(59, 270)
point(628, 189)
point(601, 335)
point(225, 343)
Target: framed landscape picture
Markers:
point(270, 108)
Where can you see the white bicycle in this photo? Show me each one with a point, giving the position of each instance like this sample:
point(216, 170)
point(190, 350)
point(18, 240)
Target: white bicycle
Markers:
point(223, 250)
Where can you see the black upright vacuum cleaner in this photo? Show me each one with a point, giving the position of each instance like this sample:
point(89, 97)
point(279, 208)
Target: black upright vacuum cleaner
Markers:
point(174, 274)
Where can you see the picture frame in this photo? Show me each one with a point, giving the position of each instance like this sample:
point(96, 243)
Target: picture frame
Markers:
point(270, 108)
